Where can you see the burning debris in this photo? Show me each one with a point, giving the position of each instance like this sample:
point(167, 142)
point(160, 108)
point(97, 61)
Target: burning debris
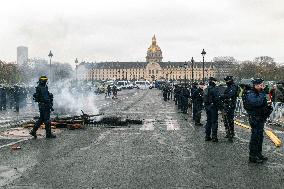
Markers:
point(79, 122)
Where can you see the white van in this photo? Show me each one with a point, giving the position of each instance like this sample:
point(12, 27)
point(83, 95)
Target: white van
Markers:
point(122, 84)
point(142, 84)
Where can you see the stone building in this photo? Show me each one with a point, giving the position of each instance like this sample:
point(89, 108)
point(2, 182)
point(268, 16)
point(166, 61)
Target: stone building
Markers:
point(152, 69)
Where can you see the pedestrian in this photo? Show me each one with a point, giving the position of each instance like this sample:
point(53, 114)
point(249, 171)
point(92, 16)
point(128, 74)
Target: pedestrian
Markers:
point(108, 93)
point(45, 103)
point(258, 111)
point(212, 104)
point(114, 92)
point(197, 103)
point(229, 99)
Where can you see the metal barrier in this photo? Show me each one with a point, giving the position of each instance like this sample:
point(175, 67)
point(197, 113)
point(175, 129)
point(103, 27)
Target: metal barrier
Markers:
point(276, 116)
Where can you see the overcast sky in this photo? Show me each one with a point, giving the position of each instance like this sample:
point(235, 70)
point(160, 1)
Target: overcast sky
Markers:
point(121, 30)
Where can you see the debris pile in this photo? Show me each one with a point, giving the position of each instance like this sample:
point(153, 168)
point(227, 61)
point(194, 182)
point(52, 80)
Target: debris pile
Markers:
point(79, 122)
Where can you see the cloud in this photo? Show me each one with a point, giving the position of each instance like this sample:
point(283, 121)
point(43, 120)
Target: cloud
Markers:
point(122, 30)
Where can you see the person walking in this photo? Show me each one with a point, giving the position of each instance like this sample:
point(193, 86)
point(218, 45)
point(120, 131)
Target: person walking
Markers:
point(45, 103)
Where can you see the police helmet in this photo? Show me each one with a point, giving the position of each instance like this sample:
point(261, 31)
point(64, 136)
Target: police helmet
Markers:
point(43, 78)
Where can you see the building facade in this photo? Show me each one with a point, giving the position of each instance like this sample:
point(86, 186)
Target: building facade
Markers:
point(152, 69)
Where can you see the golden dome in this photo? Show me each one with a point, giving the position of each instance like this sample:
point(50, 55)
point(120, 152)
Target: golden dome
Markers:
point(154, 47)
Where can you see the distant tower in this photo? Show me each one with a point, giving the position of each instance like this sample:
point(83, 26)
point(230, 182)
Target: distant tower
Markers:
point(22, 55)
point(154, 53)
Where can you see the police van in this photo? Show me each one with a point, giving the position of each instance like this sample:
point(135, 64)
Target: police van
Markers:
point(142, 84)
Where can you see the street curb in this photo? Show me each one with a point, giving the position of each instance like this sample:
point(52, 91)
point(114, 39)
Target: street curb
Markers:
point(277, 142)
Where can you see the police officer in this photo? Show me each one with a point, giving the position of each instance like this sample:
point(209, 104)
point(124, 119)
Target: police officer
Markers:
point(185, 95)
point(165, 92)
point(197, 102)
point(258, 110)
point(229, 104)
point(212, 103)
point(45, 103)
point(176, 93)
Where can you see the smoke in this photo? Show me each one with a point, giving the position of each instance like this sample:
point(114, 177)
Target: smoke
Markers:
point(70, 99)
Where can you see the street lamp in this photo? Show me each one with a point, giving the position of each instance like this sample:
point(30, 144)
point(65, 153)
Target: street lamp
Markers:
point(92, 73)
point(192, 62)
point(185, 66)
point(50, 55)
point(203, 55)
point(76, 62)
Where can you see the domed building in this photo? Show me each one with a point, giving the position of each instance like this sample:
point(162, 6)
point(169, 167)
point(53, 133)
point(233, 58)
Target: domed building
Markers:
point(152, 69)
point(154, 53)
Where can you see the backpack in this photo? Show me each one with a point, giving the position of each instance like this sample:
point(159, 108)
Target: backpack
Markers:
point(207, 99)
point(246, 105)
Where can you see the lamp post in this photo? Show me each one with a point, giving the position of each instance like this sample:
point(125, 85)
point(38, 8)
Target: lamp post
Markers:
point(92, 73)
point(76, 62)
point(192, 62)
point(50, 55)
point(203, 55)
point(185, 66)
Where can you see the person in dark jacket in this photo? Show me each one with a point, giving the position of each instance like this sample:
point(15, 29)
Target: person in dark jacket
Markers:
point(197, 102)
point(258, 110)
point(229, 99)
point(185, 95)
point(45, 103)
point(177, 91)
point(212, 104)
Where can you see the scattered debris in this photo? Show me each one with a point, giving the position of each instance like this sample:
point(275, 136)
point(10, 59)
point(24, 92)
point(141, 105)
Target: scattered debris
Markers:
point(15, 147)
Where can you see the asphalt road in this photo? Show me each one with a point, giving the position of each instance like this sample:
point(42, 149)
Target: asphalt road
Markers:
point(166, 151)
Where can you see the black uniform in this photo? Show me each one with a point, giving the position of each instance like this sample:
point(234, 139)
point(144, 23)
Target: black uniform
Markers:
point(212, 103)
point(229, 105)
point(45, 103)
point(258, 111)
point(197, 102)
point(185, 95)
point(166, 91)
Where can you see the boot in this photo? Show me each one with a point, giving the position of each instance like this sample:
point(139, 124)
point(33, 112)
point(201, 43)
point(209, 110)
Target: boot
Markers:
point(215, 139)
point(33, 132)
point(48, 132)
point(260, 156)
point(255, 159)
point(208, 138)
point(230, 139)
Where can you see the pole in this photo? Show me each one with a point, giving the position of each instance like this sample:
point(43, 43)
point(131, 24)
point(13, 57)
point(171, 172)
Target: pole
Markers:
point(192, 71)
point(184, 74)
point(76, 74)
point(203, 70)
point(50, 69)
point(92, 74)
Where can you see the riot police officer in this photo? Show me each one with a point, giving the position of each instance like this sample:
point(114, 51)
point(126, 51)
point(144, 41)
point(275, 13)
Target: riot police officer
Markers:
point(185, 95)
point(258, 110)
point(45, 103)
point(197, 103)
point(229, 104)
point(212, 104)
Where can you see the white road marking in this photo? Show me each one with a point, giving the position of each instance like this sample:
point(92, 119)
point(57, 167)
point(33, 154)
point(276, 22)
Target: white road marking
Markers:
point(148, 125)
point(172, 125)
point(12, 143)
